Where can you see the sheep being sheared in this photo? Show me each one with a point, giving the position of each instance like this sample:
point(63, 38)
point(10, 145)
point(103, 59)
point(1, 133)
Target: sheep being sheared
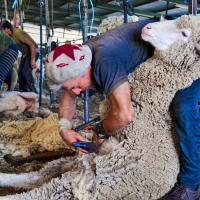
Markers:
point(147, 166)
point(16, 103)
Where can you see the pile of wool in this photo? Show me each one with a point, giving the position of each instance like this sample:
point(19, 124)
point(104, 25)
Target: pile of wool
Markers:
point(27, 137)
point(114, 21)
point(23, 138)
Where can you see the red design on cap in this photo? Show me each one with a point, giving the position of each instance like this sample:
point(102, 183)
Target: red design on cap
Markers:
point(47, 60)
point(66, 49)
point(82, 57)
point(61, 65)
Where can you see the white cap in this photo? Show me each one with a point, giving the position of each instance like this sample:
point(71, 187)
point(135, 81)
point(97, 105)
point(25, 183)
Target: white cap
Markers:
point(67, 61)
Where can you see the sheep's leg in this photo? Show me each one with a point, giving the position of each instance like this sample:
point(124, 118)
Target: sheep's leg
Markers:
point(8, 198)
point(17, 180)
point(36, 179)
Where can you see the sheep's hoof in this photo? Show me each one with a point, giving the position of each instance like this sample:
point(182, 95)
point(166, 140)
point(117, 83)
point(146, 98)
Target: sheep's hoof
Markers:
point(4, 88)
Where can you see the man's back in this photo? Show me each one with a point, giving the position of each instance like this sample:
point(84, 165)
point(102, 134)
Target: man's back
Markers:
point(19, 37)
point(118, 52)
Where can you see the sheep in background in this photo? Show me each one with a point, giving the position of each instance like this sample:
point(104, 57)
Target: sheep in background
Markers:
point(114, 21)
point(16, 103)
point(148, 164)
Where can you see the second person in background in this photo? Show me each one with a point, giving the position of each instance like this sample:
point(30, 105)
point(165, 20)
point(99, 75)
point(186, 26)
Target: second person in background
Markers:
point(29, 49)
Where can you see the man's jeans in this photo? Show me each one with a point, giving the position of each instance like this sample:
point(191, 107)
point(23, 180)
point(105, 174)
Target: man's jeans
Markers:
point(187, 119)
point(25, 78)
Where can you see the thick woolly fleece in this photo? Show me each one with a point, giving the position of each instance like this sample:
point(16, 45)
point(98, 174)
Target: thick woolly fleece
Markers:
point(147, 166)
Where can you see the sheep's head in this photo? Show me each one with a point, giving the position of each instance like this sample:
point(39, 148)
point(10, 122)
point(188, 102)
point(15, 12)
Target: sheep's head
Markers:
point(164, 33)
point(177, 37)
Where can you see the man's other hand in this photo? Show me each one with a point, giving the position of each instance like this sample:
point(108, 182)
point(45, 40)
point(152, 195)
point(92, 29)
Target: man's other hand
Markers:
point(33, 64)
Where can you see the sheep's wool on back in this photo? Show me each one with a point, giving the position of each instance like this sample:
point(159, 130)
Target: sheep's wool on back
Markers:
point(148, 166)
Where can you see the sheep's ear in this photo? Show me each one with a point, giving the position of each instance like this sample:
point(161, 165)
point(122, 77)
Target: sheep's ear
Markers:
point(162, 18)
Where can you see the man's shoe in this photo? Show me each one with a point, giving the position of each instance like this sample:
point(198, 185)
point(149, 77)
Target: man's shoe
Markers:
point(182, 193)
point(4, 88)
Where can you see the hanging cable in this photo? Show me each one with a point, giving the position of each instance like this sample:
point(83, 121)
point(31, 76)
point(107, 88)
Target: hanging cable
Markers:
point(92, 20)
point(15, 4)
point(80, 16)
point(16, 17)
point(52, 26)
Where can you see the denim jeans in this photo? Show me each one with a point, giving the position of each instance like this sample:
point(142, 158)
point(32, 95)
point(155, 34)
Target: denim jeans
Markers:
point(26, 82)
point(187, 118)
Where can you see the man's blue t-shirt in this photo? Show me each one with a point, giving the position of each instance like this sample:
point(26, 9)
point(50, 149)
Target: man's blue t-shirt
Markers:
point(117, 53)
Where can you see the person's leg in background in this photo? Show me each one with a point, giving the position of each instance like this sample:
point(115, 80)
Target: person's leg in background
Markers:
point(22, 83)
point(27, 74)
point(7, 59)
point(187, 119)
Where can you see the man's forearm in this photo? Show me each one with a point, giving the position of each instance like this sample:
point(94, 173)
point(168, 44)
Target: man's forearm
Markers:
point(121, 110)
point(67, 105)
point(32, 49)
point(33, 52)
point(113, 124)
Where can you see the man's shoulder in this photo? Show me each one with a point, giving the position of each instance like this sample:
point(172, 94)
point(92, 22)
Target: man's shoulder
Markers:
point(17, 30)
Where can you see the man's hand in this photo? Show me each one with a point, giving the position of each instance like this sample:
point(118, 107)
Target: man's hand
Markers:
point(33, 64)
point(70, 136)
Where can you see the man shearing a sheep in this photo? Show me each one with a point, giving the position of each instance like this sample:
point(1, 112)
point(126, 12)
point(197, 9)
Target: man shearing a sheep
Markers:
point(105, 61)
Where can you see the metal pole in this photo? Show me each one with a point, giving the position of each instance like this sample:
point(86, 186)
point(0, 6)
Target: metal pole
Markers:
point(85, 34)
point(192, 7)
point(1, 9)
point(167, 5)
point(84, 20)
point(49, 38)
point(125, 12)
point(40, 4)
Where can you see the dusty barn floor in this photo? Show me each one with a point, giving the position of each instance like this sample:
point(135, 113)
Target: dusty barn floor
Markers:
point(6, 167)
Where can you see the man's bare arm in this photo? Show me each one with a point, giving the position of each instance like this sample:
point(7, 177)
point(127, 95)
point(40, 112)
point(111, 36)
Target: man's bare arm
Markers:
point(121, 111)
point(67, 105)
point(32, 51)
point(67, 110)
